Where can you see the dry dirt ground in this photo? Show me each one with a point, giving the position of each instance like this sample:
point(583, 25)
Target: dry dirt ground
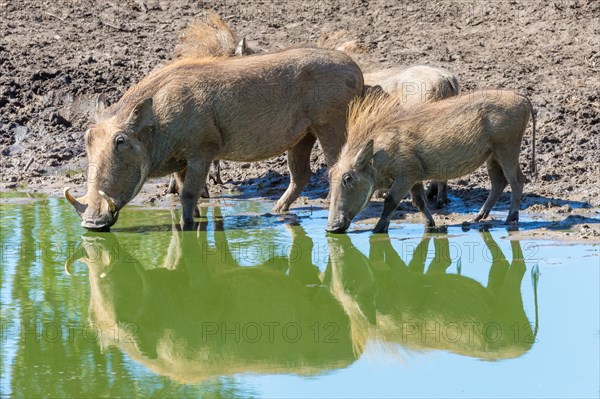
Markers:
point(56, 56)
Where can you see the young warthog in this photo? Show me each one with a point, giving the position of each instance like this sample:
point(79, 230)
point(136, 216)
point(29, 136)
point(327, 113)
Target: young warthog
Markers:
point(187, 114)
point(418, 85)
point(442, 140)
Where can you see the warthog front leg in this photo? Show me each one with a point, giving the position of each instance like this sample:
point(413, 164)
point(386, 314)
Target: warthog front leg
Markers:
point(195, 180)
point(299, 166)
point(397, 191)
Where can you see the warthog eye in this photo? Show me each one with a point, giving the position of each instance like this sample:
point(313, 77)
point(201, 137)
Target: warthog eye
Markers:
point(347, 179)
point(120, 139)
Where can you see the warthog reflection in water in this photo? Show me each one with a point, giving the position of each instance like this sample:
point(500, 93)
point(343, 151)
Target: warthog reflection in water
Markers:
point(201, 315)
point(391, 302)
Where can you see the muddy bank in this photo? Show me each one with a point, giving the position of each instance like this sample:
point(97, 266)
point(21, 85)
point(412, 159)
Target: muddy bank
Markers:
point(56, 57)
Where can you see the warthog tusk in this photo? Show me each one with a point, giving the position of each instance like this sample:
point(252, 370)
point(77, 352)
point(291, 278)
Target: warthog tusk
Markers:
point(72, 258)
point(68, 196)
point(68, 265)
point(111, 203)
point(79, 207)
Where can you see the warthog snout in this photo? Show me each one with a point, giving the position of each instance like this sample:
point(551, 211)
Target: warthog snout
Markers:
point(103, 223)
point(339, 225)
point(100, 217)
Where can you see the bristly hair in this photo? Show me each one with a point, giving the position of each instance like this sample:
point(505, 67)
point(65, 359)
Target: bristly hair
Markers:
point(372, 113)
point(207, 38)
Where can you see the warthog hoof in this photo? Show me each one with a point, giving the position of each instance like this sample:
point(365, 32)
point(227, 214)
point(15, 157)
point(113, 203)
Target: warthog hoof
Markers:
point(512, 218)
point(204, 193)
point(480, 215)
point(188, 225)
point(280, 208)
point(437, 230)
point(381, 228)
point(466, 226)
point(215, 178)
point(430, 223)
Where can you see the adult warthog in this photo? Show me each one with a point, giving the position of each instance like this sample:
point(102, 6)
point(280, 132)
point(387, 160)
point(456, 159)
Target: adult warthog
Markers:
point(440, 141)
point(188, 113)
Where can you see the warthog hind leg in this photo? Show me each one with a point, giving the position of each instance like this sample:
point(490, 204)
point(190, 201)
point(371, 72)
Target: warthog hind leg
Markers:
point(176, 182)
point(419, 199)
point(516, 181)
point(442, 194)
point(508, 158)
point(194, 181)
point(172, 188)
point(438, 190)
point(499, 182)
point(215, 173)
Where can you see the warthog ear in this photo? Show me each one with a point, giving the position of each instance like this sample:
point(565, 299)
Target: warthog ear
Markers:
point(365, 155)
point(101, 105)
point(141, 116)
point(241, 48)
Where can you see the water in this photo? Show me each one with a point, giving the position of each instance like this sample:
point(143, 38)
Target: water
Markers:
point(259, 306)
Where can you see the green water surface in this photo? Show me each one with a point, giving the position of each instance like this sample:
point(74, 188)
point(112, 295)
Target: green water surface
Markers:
point(252, 305)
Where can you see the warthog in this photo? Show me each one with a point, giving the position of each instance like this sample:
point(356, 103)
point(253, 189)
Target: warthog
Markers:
point(186, 114)
point(442, 140)
point(418, 85)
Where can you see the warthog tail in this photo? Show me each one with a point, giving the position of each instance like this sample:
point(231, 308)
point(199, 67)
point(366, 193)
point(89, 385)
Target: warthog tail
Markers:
point(532, 166)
